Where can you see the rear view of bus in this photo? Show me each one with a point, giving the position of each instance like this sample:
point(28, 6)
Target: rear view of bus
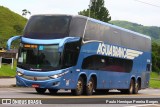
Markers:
point(81, 54)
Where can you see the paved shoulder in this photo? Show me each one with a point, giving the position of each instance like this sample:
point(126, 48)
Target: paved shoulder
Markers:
point(7, 82)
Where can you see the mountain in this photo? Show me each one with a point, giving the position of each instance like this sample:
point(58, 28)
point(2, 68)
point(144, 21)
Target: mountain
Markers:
point(11, 24)
point(152, 31)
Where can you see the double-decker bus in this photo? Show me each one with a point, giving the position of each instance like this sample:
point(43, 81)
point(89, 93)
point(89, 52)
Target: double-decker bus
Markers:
point(81, 54)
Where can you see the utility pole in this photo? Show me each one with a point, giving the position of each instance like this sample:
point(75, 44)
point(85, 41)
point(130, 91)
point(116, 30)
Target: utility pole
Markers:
point(90, 4)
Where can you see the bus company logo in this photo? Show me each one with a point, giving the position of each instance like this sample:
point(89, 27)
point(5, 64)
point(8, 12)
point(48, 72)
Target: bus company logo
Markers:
point(6, 101)
point(115, 51)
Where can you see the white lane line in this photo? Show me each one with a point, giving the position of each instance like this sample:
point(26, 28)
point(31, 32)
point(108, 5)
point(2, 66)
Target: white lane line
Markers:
point(145, 105)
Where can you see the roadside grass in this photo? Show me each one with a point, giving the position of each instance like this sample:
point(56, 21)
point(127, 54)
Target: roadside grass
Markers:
point(154, 75)
point(6, 71)
point(154, 84)
point(155, 80)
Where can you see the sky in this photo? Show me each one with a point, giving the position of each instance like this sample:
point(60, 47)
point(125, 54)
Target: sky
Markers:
point(145, 12)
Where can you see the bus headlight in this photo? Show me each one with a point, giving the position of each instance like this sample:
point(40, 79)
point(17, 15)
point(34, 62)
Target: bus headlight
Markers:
point(54, 76)
point(58, 75)
point(19, 73)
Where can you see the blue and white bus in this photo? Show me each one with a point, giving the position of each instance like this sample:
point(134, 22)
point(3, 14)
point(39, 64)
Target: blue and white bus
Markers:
point(81, 54)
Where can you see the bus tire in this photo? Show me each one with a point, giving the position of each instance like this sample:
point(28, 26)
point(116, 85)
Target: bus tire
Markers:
point(131, 87)
point(90, 87)
point(40, 90)
point(135, 91)
point(53, 91)
point(79, 88)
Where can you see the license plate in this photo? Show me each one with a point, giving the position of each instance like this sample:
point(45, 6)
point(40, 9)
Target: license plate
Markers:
point(35, 85)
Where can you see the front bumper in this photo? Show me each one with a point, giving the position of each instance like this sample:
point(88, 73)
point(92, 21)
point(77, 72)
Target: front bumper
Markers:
point(58, 83)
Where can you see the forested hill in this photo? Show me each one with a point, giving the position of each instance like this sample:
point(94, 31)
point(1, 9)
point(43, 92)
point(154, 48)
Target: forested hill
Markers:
point(152, 31)
point(10, 24)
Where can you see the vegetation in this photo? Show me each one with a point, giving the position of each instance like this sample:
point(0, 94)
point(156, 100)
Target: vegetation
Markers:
point(155, 80)
point(97, 11)
point(25, 12)
point(10, 24)
point(6, 71)
point(156, 57)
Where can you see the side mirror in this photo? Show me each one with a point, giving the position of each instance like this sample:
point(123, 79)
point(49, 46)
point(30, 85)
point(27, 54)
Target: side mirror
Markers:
point(10, 40)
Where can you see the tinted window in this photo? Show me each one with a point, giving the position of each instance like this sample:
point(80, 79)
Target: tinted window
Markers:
point(94, 31)
point(148, 67)
point(77, 26)
point(100, 31)
point(105, 63)
point(71, 53)
point(47, 27)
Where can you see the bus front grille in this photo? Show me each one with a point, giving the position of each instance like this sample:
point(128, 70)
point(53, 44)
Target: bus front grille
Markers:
point(35, 78)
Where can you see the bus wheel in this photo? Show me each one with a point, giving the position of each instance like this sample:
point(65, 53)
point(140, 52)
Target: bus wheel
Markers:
point(90, 87)
point(135, 91)
point(40, 90)
point(79, 88)
point(53, 91)
point(130, 90)
point(131, 87)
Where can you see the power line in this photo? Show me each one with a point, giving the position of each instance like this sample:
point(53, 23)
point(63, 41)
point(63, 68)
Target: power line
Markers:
point(147, 3)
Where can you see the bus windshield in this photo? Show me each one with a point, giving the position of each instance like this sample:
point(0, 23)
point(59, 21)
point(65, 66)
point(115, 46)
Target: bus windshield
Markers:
point(39, 58)
point(47, 27)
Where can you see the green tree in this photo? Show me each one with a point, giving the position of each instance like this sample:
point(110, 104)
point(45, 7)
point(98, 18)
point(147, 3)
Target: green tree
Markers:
point(97, 11)
point(155, 57)
point(25, 12)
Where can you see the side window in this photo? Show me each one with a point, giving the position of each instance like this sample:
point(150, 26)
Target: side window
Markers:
point(94, 31)
point(105, 63)
point(71, 53)
point(148, 67)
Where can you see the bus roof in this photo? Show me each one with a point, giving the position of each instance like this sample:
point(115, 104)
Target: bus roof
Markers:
point(97, 21)
point(120, 28)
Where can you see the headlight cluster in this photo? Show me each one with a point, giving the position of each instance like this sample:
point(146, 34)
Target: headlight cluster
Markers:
point(58, 75)
point(19, 73)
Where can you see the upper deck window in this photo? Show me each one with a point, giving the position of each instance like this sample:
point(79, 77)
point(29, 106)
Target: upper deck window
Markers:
point(47, 27)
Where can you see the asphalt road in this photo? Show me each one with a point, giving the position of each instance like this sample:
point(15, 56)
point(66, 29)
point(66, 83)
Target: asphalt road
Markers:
point(64, 98)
